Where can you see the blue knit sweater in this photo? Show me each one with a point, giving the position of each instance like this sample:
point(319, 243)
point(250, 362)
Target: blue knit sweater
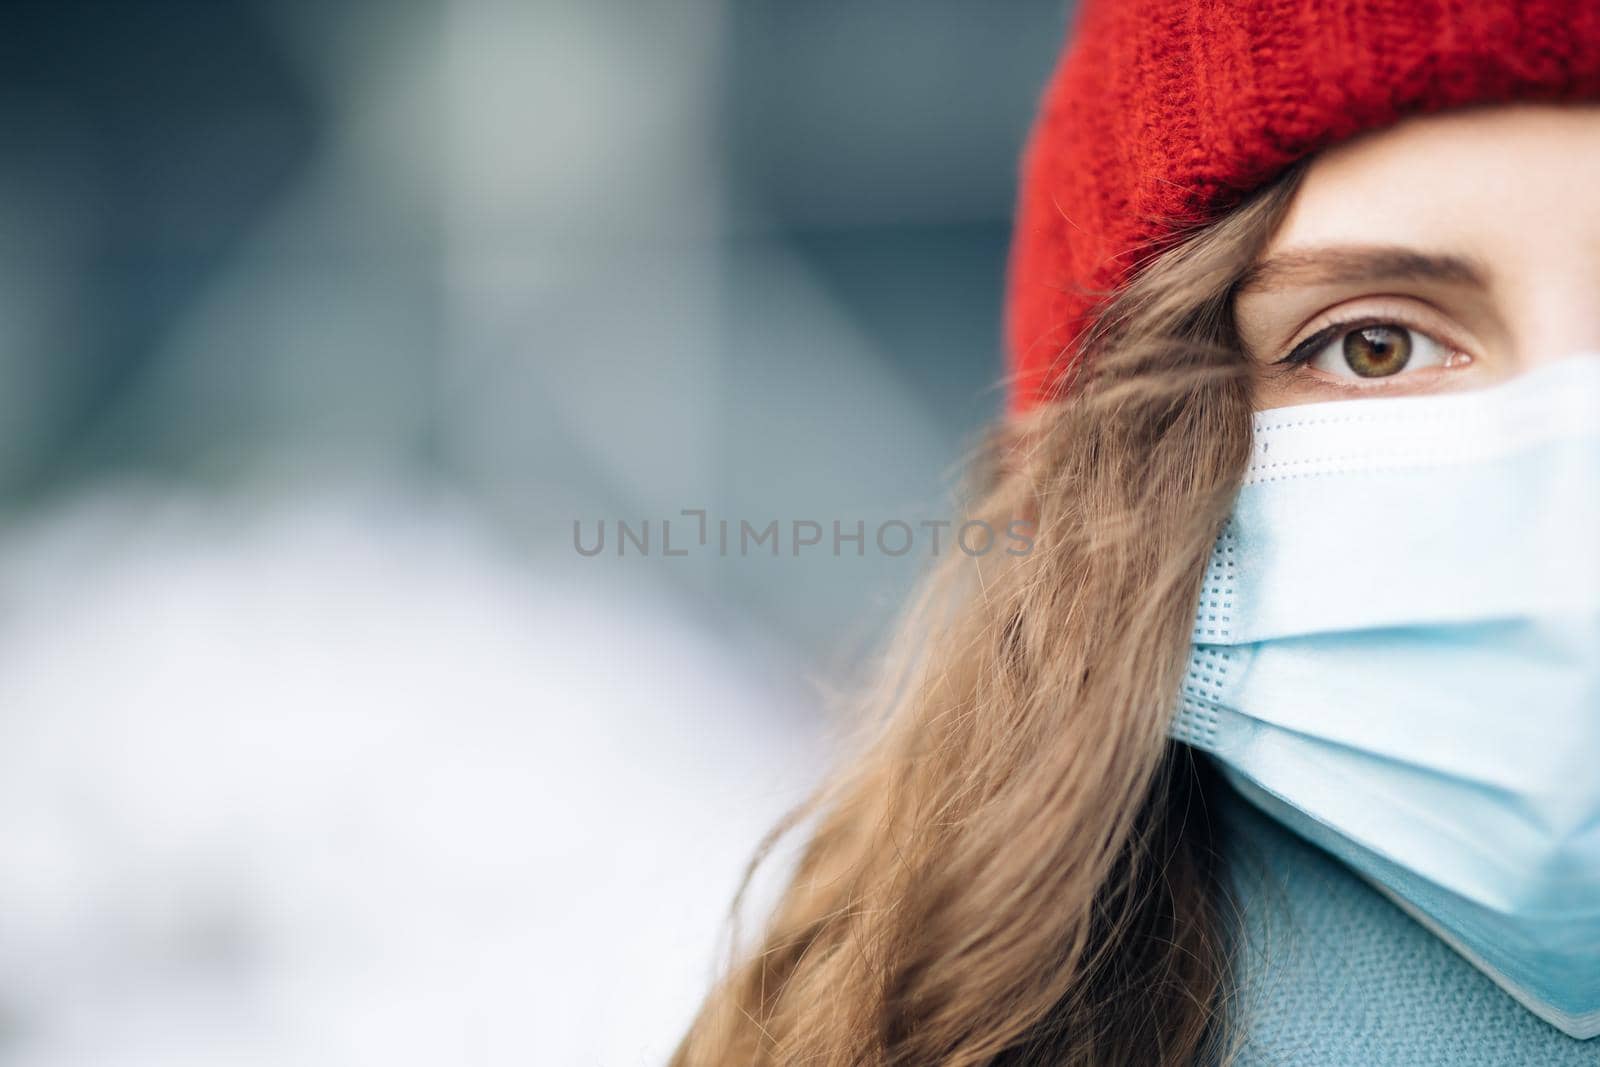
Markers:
point(1332, 974)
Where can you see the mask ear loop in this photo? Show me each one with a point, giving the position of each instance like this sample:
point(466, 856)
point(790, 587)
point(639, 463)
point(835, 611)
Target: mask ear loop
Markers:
point(1213, 662)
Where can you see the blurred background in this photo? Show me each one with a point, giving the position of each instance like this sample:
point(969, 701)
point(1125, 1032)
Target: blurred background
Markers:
point(323, 324)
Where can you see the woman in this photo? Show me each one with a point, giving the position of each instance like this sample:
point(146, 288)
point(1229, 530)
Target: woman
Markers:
point(1282, 745)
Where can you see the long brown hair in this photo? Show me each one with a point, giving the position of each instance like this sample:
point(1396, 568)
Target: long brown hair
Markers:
point(1017, 866)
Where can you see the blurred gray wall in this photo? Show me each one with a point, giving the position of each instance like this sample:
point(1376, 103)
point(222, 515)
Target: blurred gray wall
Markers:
point(574, 259)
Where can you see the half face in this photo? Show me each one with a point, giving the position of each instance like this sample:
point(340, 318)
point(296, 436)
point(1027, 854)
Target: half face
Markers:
point(1448, 252)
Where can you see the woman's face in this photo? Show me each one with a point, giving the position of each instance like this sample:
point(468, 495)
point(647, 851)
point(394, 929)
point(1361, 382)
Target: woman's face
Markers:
point(1448, 252)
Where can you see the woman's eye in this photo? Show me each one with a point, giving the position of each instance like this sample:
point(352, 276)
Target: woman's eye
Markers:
point(1377, 350)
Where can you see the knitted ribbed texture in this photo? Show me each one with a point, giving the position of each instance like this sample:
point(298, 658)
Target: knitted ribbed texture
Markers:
point(1164, 113)
point(1330, 973)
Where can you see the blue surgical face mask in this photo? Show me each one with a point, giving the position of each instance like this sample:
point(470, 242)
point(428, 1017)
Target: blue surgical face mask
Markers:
point(1397, 653)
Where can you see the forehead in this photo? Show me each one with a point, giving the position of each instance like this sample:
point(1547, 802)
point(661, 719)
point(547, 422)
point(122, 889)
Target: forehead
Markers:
point(1505, 183)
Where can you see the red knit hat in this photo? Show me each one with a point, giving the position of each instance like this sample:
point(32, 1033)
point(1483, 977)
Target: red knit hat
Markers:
point(1164, 113)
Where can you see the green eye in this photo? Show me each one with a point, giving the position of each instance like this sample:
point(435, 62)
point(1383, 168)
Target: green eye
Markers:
point(1377, 351)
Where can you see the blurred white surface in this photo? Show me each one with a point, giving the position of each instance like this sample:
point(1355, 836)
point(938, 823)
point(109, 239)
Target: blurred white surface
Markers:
point(338, 781)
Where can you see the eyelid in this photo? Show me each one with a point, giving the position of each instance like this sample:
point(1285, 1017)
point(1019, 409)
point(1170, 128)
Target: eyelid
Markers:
point(1350, 314)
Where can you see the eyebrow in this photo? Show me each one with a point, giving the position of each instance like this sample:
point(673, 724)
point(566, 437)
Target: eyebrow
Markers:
point(1345, 264)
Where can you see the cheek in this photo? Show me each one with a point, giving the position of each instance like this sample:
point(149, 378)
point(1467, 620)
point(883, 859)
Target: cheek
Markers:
point(1271, 388)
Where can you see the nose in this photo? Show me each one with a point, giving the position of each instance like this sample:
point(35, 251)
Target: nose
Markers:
point(1558, 311)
